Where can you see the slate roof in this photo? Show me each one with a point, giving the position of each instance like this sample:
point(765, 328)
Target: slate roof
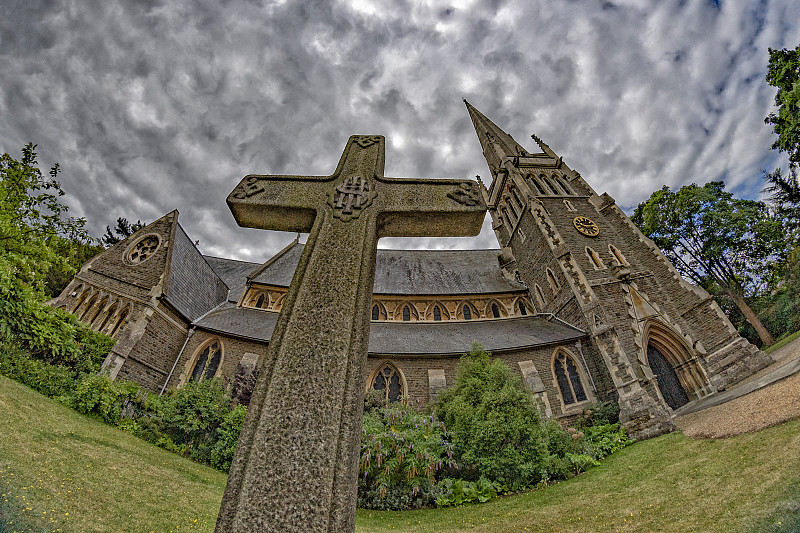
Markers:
point(411, 338)
point(193, 287)
point(413, 272)
point(233, 272)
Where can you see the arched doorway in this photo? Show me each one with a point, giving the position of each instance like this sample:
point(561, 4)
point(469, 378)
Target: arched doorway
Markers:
point(678, 372)
point(667, 379)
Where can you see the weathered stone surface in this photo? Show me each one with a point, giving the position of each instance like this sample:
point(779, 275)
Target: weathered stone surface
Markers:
point(297, 460)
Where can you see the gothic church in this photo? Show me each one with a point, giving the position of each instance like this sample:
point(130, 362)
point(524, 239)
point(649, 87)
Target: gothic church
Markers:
point(576, 300)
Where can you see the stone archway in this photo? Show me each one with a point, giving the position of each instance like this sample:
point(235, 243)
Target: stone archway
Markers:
point(678, 373)
point(668, 382)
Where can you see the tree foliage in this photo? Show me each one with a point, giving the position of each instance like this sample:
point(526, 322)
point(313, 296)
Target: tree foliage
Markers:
point(724, 244)
point(32, 218)
point(784, 73)
point(121, 231)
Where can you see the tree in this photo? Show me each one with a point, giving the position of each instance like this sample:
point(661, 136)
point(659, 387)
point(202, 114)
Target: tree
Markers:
point(32, 218)
point(784, 191)
point(721, 243)
point(784, 73)
point(121, 231)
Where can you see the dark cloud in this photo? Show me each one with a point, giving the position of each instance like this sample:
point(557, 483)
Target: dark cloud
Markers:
point(151, 106)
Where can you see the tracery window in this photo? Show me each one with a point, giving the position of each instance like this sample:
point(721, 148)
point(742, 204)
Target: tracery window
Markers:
point(437, 313)
point(207, 362)
point(388, 381)
point(260, 301)
point(406, 313)
point(376, 313)
point(549, 183)
point(144, 249)
point(523, 310)
point(467, 312)
point(495, 311)
point(569, 379)
point(562, 184)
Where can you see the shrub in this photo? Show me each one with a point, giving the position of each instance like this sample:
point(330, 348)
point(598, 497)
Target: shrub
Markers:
point(605, 439)
point(51, 380)
point(496, 428)
point(457, 491)
point(51, 335)
point(401, 452)
point(100, 397)
point(192, 415)
point(227, 438)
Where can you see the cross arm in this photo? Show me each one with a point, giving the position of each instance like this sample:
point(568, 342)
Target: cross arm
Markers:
point(283, 203)
point(430, 207)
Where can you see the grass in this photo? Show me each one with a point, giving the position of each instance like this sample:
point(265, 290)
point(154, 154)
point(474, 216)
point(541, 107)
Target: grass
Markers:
point(783, 342)
point(60, 471)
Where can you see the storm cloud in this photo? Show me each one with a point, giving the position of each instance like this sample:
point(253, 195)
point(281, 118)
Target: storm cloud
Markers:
point(152, 106)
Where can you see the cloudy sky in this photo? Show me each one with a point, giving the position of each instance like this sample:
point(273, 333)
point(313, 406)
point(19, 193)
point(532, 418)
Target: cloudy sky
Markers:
point(157, 105)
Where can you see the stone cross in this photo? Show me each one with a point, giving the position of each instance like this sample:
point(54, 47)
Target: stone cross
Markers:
point(296, 464)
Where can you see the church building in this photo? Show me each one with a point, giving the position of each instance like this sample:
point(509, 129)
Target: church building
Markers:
point(575, 299)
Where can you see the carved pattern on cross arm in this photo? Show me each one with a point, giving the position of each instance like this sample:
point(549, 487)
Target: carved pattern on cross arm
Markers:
point(365, 141)
point(350, 197)
point(249, 187)
point(465, 194)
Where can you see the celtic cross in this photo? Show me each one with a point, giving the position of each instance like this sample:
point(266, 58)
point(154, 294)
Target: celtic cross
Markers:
point(296, 463)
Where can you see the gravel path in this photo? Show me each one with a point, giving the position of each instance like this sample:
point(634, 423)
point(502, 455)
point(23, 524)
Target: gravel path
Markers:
point(765, 407)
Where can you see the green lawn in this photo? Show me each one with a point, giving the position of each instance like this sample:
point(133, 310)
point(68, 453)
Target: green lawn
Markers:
point(60, 471)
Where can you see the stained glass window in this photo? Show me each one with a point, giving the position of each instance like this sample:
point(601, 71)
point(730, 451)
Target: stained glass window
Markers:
point(569, 379)
point(207, 362)
point(388, 381)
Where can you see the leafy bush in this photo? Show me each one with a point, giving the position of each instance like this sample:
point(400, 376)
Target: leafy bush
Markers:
point(193, 414)
point(599, 414)
point(457, 491)
point(401, 452)
point(100, 397)
point(605, 439)
point(227, 438)
point(496, 428)
point(51, 380)
point(52, 335)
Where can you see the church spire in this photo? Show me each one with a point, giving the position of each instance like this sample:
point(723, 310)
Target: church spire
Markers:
point(494, 141)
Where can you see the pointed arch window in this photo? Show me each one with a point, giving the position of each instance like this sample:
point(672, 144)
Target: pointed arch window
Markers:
point(595, 259)
point(207, 362)
point(260, 301)
point(495, 311)
point(533, 181)
point(513, 207)
point(569, 379)
point(562, 183)
point(551, 279)
point(88, 307)
point(549, 184)
point(437, 313)
point(467, 312)
point(406, 313)
point(119, 321)
point(517, 199)
point(107, 316)
point(569, 205)
point(617, 255)
point(509, 220)
point(389, 381)
point(539, 295)
point(376, 313)
point(523, 310)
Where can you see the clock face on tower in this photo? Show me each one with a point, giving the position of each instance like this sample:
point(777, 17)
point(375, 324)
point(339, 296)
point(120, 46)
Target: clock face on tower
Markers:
point(586, 226)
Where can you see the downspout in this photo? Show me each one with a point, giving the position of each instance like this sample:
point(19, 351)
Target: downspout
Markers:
point(188, 336)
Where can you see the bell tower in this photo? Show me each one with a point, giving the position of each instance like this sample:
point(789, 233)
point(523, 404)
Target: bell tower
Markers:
point(656, 342)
